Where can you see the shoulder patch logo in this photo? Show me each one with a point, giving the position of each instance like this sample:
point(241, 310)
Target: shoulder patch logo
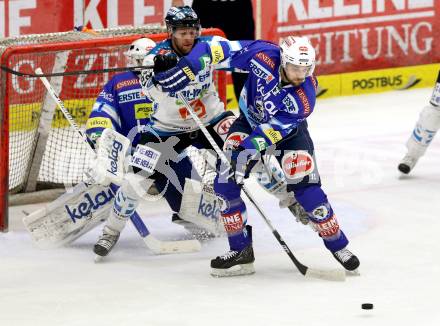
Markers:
point(217, 54)
point(266, 59)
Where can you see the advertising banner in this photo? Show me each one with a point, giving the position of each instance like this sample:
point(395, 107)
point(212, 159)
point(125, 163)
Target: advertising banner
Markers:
point(356, 35)
point(349, 35)
point(20, 17)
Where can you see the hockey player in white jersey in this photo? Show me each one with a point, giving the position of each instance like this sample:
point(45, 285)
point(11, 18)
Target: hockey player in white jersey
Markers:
point(424, 131)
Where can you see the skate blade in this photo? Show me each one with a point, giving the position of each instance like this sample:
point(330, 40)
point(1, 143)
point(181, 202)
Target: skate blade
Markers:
point(237, 270)
point(353, 272)
point(98, 258)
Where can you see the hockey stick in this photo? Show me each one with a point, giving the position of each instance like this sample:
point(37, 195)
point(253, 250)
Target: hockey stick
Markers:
point(75, 72)
point(155, 245)
point(332, 275)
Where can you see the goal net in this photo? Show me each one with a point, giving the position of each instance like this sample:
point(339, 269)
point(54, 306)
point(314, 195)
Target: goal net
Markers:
point(39, 149)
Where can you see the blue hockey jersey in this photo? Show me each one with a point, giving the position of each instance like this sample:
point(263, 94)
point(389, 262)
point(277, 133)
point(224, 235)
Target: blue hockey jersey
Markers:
point(271, 108)
point(122, 106)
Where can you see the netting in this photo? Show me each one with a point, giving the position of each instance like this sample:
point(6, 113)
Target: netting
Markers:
point(33, 114)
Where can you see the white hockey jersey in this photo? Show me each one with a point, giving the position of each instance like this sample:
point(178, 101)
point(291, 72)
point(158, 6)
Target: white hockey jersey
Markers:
point(171, 116)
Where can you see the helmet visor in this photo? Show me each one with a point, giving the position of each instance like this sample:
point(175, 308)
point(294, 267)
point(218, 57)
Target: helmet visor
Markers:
point(182, 33)
point(298, 71)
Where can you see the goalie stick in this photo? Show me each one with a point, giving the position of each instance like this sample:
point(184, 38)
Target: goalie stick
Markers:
point(332, 275)
point(155, 245)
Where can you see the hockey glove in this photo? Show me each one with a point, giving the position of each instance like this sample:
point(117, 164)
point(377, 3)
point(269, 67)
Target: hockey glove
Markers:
point(175, 79)
point(164, 62)
point(242, 162)
point(299, 212)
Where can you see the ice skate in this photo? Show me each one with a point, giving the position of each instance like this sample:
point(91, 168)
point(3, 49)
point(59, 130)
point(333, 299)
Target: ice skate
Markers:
point(234, 262)
point(347, 259)
point(106, 242)
point(407, 164)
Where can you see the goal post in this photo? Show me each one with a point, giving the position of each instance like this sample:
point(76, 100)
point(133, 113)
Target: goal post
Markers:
point(38, 148)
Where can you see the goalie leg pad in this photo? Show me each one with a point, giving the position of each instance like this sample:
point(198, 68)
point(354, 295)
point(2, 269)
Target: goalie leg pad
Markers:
point(70, 215)
point(201, 206)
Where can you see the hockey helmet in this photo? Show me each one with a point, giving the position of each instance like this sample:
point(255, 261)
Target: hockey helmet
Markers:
point(298, 51)
point(183, 16)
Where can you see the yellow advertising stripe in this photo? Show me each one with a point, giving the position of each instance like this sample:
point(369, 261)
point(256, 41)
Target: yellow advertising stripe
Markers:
point(375, 81)
point(25, 117)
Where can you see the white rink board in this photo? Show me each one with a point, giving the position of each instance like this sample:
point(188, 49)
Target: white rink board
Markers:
point(392, 223)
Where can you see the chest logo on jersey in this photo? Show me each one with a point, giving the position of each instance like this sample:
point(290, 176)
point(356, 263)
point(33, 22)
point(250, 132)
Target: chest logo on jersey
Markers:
point(130, 96)
point(260, 71)
point(143, 110)
point(290, 103)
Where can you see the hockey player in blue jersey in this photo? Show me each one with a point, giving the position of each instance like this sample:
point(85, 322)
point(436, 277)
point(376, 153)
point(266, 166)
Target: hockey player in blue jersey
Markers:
point(173, 120)
point(122, 106)
point(278, 96)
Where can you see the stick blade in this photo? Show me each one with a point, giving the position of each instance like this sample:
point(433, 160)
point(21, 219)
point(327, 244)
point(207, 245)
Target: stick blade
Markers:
point(160, 247)
point(329, 275)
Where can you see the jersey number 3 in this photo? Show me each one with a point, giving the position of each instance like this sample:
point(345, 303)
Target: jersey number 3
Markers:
point(198, 107)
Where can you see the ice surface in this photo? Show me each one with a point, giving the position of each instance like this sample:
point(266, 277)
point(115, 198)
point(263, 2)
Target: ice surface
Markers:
point(393, 224)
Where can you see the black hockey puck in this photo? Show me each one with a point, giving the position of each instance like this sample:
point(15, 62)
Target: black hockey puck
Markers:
point(367, 306)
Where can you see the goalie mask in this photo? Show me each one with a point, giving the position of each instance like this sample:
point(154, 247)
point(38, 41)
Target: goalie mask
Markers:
point(138, 50)
point(297, 56)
